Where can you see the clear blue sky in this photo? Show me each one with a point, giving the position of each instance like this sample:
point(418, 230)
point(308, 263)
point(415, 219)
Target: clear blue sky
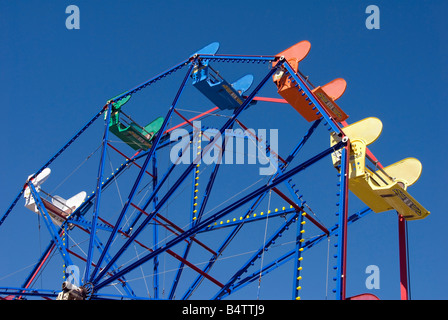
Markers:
point(54, 79)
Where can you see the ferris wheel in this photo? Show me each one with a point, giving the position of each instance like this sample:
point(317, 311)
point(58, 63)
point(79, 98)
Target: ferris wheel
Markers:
point(194, 202)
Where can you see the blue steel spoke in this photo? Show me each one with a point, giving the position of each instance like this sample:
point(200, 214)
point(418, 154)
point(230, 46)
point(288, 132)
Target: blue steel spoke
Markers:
point(99, 187)
point(155, 229)
point(139, 177)
point(256, 256)
point(198, 225)
point(197, 220)
point(50, 225)
point(155, 191)
point(289, 255)
point(221, 213)
point(239, 224)
point(153, 80)
point(313, 100)
point(188, 170)
point(342, 225)
point(125, 284)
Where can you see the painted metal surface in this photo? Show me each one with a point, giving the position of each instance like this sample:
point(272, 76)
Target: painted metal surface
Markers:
point(316, 105)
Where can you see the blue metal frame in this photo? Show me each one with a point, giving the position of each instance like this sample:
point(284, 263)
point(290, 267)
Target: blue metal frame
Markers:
point(54, 293)
point(312, 99)
point(238, 58)
point(195, 217)
point(298, 257)
point(99, 187)
point(50, 225)
point(98, 278)
point(257, 255)
point(290, 255)
point(153, 80)
point(155, 229)
point(211, 219)
point(137, 182)
point(195, 177)
point(238, 225)
point(342, 224)
point(183, 176)
point(134, 188)
point(76, 217)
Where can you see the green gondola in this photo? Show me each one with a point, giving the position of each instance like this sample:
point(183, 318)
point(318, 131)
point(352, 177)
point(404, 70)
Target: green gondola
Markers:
point(136, 136)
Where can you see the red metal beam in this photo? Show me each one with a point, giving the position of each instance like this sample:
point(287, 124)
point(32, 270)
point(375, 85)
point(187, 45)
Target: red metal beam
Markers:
point(42, 263)
point(277, 100)
point(173, 254)
point(127, 158)
point(403, 258)
point(177, 228)
point(402, 245)
point(258, 139)
point(300, 209)
point(190, 120)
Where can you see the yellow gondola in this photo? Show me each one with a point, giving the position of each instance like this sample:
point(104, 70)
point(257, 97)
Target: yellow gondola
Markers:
point(383, 189)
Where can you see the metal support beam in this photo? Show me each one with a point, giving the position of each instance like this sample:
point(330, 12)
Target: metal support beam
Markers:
point(221, 213)
point(190, 167)
point(238, 225)
point(290, 255)
point(139, 177)
point(153, 80)
point(300, 209)
point(50, 225)
point(255, 256)
point(313, 99)
point(99, 188)
point(38, 266)
point(341, 277)
point(403, 258)
point(237, 58)
point(198, 215)
point(155, 229)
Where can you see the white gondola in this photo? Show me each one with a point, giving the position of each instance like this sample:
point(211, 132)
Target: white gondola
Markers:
point(57, 207)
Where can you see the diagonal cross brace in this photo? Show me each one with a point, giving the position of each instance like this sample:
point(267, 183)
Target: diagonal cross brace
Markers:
point(187, 171)
point(222, 213)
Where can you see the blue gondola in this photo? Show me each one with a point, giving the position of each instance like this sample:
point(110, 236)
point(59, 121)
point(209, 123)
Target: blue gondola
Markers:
point(211, 84)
